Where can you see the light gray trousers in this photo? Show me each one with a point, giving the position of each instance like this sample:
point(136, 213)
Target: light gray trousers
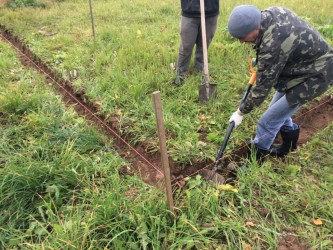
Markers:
point(190, 35)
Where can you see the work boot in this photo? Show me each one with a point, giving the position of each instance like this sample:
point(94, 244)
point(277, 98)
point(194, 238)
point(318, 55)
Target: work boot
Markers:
point(253, 154)
point(289, 141)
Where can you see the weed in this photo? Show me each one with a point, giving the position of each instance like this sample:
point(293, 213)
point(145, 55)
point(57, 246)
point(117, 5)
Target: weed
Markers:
point(59, 184)
point(25, 3)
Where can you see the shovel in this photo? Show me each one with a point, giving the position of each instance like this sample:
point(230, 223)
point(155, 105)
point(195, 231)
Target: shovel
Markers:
point(232, 124)
point(206, 89)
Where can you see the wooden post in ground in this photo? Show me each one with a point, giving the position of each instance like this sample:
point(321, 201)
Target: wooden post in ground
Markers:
point(163, 148)
point(92, 19)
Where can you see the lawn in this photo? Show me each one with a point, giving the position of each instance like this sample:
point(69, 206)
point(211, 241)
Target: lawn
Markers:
point(60, 184)
point(130, 59)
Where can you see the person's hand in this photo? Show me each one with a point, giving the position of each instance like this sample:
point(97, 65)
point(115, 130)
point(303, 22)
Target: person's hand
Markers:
point(254, 62)
point(236, 117)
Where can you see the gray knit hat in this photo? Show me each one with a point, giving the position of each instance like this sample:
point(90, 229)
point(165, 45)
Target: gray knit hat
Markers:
point(243, 20)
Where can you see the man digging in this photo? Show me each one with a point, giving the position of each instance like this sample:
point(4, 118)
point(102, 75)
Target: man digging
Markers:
point(294, 59)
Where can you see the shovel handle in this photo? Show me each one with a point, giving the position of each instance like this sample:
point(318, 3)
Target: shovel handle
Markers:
point(253, 71)
point(204, 40)
point(251, 81)
point(232, 123)
point(220, 154)
point(246, 93)
point(225, 141)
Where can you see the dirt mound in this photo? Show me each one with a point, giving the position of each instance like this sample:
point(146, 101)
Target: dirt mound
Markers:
point(291, 242)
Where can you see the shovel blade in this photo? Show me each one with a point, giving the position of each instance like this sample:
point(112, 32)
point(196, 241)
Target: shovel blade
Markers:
point(216, 179)
point(207, 93)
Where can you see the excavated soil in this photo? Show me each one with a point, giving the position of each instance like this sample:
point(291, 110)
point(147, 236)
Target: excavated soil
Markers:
point(291, 242)
point(148, 166)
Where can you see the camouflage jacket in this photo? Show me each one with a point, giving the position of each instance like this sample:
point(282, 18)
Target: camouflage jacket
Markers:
point(292, 57)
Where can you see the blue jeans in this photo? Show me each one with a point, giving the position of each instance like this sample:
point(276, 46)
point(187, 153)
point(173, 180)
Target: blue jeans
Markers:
point(277, 117)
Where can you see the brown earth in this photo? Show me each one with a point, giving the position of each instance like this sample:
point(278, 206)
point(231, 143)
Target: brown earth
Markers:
point(148, 166)
point(291, 242)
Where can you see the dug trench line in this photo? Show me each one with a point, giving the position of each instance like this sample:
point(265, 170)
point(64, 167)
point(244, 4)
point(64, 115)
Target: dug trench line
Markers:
point(148, 170)
point(313, 118)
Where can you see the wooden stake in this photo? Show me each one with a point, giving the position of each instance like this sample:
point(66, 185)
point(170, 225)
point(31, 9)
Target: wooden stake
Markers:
point(92, 19)
point(163, 148)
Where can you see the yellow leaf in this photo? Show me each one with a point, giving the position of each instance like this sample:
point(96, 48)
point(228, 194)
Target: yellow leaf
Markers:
point(317, 222)
point(248, 246)
point(239, 142)
point(227, 187)
point(249, 224)
point(201, 143)
point(119, 112)
point(202, 117)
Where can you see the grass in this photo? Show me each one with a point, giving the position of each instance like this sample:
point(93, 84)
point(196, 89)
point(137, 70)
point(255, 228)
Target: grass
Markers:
point(59, 181)
point(130, 59)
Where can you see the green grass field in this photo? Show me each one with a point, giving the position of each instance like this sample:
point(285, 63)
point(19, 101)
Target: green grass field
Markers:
point(130, 59)
point(59, 181)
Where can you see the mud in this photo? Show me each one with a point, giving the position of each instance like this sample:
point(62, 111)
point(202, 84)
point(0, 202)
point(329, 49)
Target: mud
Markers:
point(289, 242)
point(312, 118)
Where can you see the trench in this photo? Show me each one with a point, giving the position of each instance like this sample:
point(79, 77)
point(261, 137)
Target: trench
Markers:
point(148, 166)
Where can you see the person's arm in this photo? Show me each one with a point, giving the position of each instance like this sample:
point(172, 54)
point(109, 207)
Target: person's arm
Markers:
point(272, 58)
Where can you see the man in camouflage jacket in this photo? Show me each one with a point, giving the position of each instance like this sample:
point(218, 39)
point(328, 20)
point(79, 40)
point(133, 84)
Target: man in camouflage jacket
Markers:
point(293, 58)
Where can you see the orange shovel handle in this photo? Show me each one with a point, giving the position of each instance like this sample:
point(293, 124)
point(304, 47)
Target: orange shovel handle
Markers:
point(253, 71)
